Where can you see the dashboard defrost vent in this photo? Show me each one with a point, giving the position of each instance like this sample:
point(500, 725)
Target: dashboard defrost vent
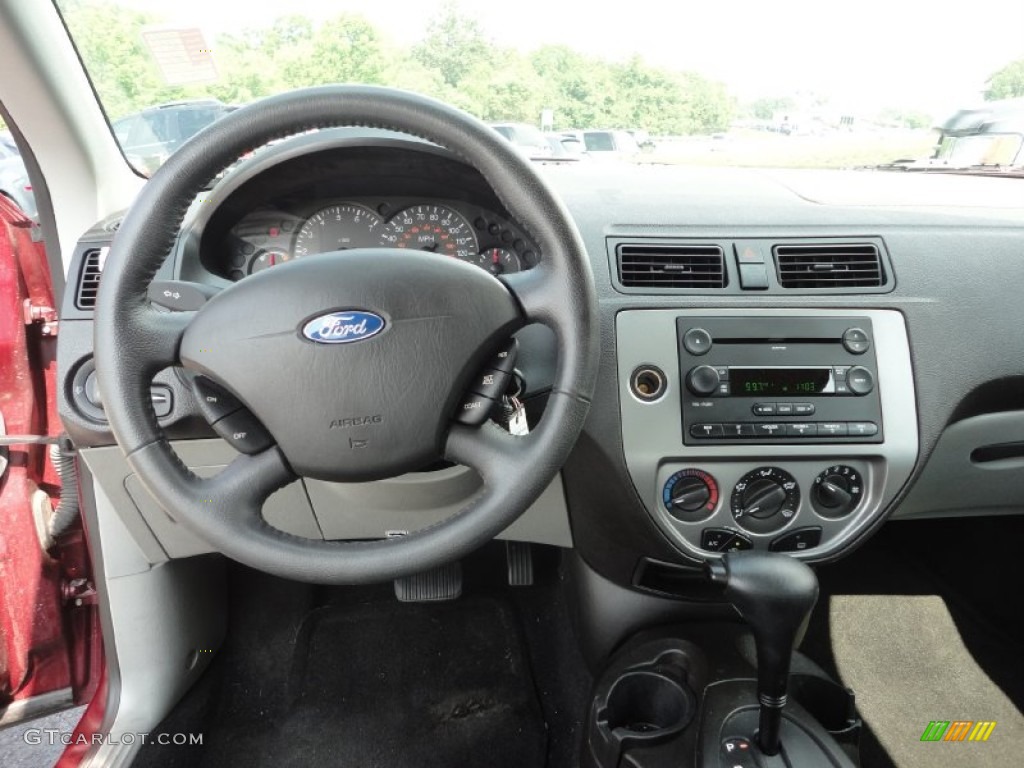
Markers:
point(671, 266)
point(824, 265)
point(89, 282)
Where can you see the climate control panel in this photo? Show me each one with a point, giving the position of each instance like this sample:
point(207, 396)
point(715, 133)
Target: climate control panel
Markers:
point(791, 506)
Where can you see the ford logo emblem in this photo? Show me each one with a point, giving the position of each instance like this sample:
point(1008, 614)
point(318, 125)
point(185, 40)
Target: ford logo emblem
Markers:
point(343, 327)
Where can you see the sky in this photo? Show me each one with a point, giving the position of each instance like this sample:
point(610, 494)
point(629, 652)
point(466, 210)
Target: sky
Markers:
point(868, 54)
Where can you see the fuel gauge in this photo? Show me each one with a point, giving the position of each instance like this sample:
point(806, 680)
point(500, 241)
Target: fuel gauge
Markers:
point(499, 261)
point(267, 259)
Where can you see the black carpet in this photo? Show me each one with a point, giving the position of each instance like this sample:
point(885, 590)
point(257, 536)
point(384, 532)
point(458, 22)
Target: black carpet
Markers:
point(350, 677)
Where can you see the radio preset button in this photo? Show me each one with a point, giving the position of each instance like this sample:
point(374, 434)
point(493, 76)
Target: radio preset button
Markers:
point(739, 430)
point(764, 409)
point(832, 429)
point(856, 341)
point(859, 380)
point(697, 341)
point(803, 409)
point(862, 428)
point(770, 430)
point(802, 430)
point(706, 431)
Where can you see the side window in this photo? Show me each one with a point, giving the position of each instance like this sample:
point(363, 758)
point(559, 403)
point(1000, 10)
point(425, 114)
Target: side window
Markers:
point(191, 121)
point(598, 141)
point(122, 129)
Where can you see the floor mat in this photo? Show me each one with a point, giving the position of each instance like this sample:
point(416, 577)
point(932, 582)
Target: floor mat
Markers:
point(906, 660)
point(391, 685)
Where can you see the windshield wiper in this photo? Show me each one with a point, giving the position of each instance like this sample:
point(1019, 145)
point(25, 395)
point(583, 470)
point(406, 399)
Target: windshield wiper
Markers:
point(1010, 171)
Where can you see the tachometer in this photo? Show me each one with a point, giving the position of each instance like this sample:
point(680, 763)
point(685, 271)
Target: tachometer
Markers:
point(434, 228)
point(339, 228)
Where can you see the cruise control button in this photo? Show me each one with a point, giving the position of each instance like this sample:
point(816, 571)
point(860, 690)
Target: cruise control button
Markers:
point(490, 383)
point(803, 409)
point(770, 430)
point(215, 402)
point(862, 428)
point(797, 541)
point(802, 430)
point(832, 429)
point(505, 359)
point(474, 410)
point(706, 430)
point(738, 430)
point(244, 432)
point(763, 409)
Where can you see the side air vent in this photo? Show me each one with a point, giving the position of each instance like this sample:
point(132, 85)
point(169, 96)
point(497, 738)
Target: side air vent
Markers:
point(89, 282)
point(824, 265)
point(671, 266)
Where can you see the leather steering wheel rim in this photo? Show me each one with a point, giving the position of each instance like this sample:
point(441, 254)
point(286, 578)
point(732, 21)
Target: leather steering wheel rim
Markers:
point(133, 341)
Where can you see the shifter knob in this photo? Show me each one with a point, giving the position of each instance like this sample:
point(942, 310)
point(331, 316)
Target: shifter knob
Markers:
point(775, 594)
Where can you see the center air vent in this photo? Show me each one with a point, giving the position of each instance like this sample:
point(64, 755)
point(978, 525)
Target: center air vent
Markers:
point(671, 266)
point(824, 265)
point(89, 283)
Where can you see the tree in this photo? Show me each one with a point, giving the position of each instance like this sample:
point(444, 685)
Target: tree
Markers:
point(765, 108)
point(454, 45)
point(1007, 83)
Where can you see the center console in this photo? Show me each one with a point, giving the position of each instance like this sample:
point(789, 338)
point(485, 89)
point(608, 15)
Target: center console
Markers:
point(786, 430)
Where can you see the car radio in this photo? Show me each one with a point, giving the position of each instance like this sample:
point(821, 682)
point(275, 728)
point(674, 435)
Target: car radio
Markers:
point(787, 379)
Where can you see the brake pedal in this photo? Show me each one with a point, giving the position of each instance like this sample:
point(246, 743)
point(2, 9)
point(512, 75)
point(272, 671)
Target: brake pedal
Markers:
point(435, 585)
point(520, 563)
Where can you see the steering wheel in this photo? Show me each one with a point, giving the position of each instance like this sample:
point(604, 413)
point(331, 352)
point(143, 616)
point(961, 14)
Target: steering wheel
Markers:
point(406, 333)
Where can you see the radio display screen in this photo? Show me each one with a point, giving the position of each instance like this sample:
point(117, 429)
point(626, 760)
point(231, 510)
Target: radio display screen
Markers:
point(779, 381)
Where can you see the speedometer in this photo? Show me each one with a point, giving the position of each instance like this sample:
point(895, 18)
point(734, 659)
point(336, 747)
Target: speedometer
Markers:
point(434, 228)
point(339, 228)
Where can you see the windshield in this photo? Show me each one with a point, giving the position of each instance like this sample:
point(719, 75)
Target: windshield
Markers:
point(787, 84)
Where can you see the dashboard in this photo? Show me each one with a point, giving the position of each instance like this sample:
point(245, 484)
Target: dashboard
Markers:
point(736, 406)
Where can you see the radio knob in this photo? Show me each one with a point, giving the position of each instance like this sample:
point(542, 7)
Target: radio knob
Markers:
point(859, 380)
point(703, 380)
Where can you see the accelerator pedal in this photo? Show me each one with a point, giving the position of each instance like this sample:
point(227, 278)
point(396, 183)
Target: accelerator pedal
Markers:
point(435, 585)
point(520, 563)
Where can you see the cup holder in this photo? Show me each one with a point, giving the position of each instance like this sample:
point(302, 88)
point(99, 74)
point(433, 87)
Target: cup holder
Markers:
point(645, 702)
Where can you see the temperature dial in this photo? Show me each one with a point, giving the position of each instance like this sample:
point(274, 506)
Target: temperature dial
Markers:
point(690, 495)
point(765, 500)
point(837, 491)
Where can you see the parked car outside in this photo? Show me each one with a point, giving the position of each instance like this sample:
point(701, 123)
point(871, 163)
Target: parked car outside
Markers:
point(14, 181)
point(529, 139)
point(149, 137)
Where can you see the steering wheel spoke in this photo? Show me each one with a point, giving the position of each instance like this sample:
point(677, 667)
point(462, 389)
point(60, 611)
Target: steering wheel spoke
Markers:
point(158, 336)
point(532, 291)
point(488, 449)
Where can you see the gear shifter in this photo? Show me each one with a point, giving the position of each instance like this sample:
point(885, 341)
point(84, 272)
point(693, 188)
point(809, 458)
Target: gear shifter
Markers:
point(775, 594)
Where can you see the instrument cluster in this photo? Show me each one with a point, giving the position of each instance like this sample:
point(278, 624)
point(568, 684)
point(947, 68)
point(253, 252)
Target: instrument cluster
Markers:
point(270, 236)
